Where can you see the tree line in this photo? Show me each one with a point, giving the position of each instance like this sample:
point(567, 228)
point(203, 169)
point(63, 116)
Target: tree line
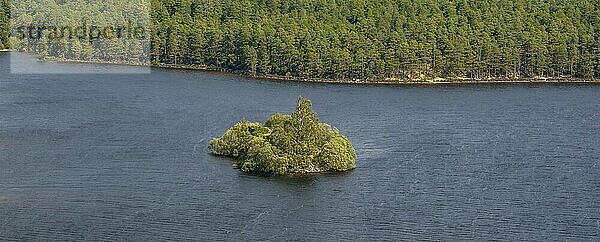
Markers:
point(100, 31)
point(4, 24)
point(377, 39)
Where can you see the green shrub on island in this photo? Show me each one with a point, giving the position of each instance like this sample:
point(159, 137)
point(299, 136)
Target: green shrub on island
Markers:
point(287, 144)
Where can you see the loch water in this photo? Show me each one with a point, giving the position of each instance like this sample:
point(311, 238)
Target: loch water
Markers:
point(124, 157)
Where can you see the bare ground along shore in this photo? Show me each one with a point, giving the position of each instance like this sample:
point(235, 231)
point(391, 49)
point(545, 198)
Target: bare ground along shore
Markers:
point(386, 81)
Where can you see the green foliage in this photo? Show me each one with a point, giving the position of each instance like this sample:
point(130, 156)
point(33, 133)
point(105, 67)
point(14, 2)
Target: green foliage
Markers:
point(336, 155)
point(374, 39)
point(295, 143)
point(237, 141)
point(402, 39)
point(72, 29)
point(4, 24)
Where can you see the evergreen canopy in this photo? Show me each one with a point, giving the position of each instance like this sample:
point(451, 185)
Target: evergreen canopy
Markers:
point(348, 39)
point(286, 144)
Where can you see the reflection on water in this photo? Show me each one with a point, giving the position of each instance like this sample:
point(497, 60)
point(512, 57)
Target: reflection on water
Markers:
point(124, 157)
point(23, 63)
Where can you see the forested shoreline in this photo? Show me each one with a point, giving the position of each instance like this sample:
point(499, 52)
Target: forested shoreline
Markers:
point(373, 39)
point(4, 24)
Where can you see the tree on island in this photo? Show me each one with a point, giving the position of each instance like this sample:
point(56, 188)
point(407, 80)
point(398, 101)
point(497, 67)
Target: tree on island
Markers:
point(287, 144)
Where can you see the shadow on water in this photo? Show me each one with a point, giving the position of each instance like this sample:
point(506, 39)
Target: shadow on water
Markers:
point(304, 186)
point(290, 180)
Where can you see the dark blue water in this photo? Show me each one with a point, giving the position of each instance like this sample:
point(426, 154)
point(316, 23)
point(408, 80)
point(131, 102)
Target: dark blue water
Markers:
point(124, 157)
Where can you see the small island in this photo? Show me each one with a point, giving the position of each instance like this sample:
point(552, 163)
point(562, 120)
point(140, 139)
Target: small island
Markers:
point(287, 144)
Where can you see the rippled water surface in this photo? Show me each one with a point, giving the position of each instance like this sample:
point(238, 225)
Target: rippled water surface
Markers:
point(124, 157)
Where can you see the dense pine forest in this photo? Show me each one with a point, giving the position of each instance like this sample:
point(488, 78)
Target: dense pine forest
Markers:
point(372, 39)
point(4, 23)
point(69, 45)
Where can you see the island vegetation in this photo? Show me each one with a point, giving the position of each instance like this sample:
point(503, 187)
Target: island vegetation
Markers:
point(368, 40)
point(287, 144)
